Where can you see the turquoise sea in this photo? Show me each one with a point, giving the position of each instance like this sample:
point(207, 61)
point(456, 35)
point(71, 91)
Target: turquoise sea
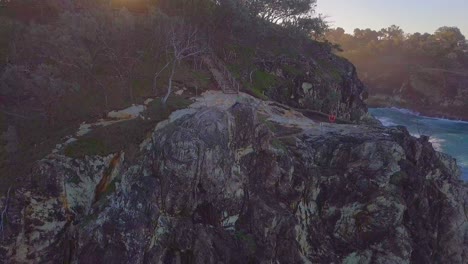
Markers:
point(447, 136)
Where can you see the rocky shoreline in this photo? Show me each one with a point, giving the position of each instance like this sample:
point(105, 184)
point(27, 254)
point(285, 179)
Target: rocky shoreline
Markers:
point(388, 102)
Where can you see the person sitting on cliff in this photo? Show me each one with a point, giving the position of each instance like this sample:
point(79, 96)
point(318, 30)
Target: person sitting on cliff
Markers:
point(332, 117)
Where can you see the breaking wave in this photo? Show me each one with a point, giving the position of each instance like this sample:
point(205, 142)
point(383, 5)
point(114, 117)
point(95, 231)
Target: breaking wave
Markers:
point(449, 136)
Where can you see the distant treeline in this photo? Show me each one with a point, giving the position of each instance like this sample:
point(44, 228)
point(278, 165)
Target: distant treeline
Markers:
point(445, 48)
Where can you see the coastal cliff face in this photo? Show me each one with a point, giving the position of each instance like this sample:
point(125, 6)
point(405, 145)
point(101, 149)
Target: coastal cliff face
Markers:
point(432, 92)
point(323, 82)
point(233, 179)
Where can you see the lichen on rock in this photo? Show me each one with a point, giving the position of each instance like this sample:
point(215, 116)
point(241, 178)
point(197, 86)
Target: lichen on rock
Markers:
point(233, 179)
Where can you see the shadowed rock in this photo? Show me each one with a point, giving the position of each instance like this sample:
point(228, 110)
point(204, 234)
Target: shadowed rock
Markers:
point(221, 183)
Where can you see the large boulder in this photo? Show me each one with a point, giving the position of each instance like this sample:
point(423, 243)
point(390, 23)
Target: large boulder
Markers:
point(325, 83)
point(237, 180)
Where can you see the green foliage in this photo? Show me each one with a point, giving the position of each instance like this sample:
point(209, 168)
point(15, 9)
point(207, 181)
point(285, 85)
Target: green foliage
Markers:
point(292, 71)
point(74, 179)
point(199, 12)
point(3, 122)
point(367, 47)
point(398, 178)
point(3, 128)
point(75, 60)
point(263, 81)
point(247, 240)
point(140, 87)
point(334, 97)
point(449, 36)
point(6, 34)
point(356, 114)
point(244, 55)
point(124, 135)
point(236, 70)
point(3, 152)
point(328, 69)
point(30, 10)
point(157, 111)
point(314, 103)
point(277, 144)
point(330, 103)
point(86, 147)
point(202, 80)
point(296, 15)
point(389, 58)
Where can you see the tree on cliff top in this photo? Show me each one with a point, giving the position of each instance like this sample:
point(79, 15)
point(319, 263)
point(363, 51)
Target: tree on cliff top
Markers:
point(449, 35)
point(280, 11)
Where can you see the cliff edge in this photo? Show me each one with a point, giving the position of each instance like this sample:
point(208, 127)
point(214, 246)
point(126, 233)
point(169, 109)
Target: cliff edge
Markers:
point(233, 179)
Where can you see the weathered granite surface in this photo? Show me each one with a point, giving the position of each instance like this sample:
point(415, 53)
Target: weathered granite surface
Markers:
point(236, 180)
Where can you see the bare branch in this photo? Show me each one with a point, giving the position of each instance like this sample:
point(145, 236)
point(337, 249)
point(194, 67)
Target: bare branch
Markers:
point(183, 44)
point(158, 73)
point(4, 214)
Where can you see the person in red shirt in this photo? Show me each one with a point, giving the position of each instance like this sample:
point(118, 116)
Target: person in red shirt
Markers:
point(332, 117)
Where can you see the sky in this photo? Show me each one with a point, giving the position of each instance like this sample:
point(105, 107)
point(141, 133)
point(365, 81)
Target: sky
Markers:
point(411, 15)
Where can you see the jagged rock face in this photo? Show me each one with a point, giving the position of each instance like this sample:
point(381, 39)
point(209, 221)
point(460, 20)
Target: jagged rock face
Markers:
point(324, 82)
point(247, 182)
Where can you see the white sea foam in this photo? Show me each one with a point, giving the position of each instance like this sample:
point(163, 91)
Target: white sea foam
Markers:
point(447, 120)
point(437, 143)
point(405, 111)
point(414, 113)
point(463, 162)
point(446, 135)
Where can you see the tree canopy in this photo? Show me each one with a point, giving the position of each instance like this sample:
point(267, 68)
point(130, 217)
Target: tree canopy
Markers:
point(280, 11)
point(445, 48)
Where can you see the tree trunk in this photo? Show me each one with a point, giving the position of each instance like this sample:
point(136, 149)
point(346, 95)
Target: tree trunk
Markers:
point(169, 87)
point(106, 99)
point(131, 93)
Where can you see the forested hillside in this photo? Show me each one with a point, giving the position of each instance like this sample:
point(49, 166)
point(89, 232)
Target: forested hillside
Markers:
point(66, 63)
point(424, 72)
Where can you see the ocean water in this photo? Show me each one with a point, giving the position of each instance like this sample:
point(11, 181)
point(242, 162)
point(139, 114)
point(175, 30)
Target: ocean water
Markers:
point(447, 136)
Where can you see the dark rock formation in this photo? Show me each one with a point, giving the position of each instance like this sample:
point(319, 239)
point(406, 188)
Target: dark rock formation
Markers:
point(323, 82)
point(432, 92)
point(237, 180)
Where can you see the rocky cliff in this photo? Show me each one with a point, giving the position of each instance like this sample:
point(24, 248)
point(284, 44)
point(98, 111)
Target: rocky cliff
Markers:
point(430, 91)
point(321, 82)
point(233, 179)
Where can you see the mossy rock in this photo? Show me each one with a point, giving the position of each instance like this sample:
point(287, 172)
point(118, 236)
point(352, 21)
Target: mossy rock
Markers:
point(335, 96)
point(86, 147)
point(328, 70)
point(262, 82)
point(277, 144)
point(247, 240)
point(398, 178)
point(125, 135)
